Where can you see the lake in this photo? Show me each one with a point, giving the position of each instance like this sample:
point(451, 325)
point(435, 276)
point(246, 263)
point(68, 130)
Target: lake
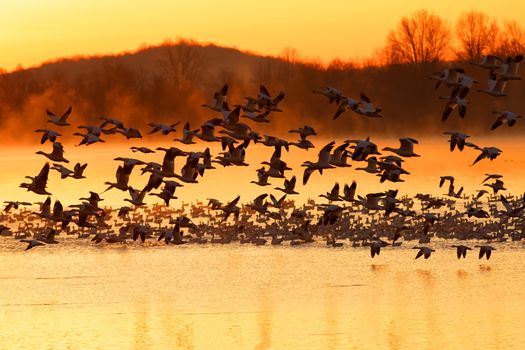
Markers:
point(78, 295)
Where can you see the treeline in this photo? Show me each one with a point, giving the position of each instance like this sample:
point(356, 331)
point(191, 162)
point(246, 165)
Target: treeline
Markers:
point(169, 82)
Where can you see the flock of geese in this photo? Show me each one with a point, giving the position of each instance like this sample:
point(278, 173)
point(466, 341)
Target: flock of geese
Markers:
point(373, 220)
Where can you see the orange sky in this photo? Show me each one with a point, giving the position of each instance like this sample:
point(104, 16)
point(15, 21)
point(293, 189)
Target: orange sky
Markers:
point(33, 31)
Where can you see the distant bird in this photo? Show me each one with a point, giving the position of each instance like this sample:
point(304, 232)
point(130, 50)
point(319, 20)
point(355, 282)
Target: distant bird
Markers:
point(449, 77)
point(218, 99)
point(510, 68)
point(32, 243)
point(141, 149)
point(490, 62)
point(163, 128)
point(333, 94)
point(485, 250)
point(47, 134)
point(442, 180)
point(496, 186)
point(461, 250)
point(505, 117)
point(406, 149)
point(57, 155)
point(492, 176)
point(495, 86)
point(367, 108)
point(456, 139)
point(62, 121)
point(423, 251)
point(289, 186)
point(38, 183)
point(490, 153)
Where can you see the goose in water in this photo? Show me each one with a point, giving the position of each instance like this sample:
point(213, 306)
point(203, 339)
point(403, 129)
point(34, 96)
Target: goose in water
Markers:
point(163, 128)
point(461, 250)
point(62, 121)
point(57, 155)
point(289, 186)
point(333, 94)
point(38, 184)
point(495, 85)
point(367, 108)
point(510, 68)
point(423, 251)
point(32, 243)
point(490, 153)
point(47, 134)
point(406, 149)
point(489, 62)
point(218, 99)
point(485, 250)
point(505, 117)
point(457, 139)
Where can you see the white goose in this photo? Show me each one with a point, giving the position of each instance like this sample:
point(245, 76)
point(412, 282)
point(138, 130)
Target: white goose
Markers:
point(510, 68)
point(496, 86)
point(505, 117)
point(406, 149)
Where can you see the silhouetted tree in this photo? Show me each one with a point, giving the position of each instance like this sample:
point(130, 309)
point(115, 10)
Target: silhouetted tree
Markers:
point(420, 38)
point(477, 35)
point(512, 39)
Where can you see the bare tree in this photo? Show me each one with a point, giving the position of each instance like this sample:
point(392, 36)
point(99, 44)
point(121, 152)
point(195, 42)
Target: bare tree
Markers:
point(477, 35)
point(184, 63)
point(420, 38)
point(512, 39)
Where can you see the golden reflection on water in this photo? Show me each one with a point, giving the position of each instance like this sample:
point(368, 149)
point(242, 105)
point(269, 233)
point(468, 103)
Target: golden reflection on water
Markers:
point(239, 297)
